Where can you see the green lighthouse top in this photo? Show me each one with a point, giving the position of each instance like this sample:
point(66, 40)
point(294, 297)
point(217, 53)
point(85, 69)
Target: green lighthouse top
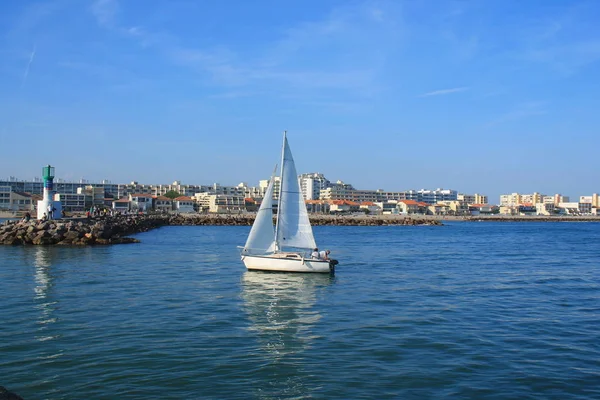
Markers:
point(48, 172)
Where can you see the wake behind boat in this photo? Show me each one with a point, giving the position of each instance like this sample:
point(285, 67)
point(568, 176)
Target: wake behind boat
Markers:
point(288, 245)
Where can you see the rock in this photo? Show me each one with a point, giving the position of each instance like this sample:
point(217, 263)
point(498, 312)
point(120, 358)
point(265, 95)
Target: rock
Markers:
point(6, 395)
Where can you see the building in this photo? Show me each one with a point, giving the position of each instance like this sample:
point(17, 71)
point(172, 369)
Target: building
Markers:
point(411, 207)
point(545, 208)
point(122, 205)
point(140, 202)
point(438, 209)
point(73, 202)
point(21, 201)
point(184, 204)
point(343, 206)
point(437, 195)
point(515, 199)
point(456, 207)
point(94, 195)
point(162, 204)
point(220, 203)
point(318, 207)
point(5, 192)
point(472, 198)
point(483, 209)
point(594, 200)
point(311, 185)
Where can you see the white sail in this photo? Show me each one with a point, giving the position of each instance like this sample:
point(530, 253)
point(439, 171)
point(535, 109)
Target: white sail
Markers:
point(261, 239)
point(293, 226)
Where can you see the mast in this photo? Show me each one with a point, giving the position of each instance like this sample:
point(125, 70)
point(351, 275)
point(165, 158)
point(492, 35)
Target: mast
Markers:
point(280, 190)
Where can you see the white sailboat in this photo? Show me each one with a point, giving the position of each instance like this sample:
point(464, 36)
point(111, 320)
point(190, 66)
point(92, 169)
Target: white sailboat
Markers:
point(288, 245)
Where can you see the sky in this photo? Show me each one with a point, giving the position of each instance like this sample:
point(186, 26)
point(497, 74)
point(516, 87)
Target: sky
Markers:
point(482, 96)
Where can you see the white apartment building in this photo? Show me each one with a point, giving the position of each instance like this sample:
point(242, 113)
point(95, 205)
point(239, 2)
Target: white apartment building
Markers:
point(434, 196)
point(311, 185)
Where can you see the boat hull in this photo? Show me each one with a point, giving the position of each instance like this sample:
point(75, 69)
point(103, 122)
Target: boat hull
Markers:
point(267, 263)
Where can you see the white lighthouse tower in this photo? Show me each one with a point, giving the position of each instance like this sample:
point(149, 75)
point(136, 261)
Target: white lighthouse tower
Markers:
point(47, 205)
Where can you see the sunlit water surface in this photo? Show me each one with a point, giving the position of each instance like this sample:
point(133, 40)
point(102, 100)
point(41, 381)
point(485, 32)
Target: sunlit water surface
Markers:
point(467, 310)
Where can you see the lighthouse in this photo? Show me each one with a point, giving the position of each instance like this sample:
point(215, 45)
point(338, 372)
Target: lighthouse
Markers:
point(52, 209)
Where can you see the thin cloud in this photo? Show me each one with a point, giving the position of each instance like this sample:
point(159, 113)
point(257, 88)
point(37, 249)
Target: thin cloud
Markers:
point(521, 111)
point(357, 33)
point(105, 11)
point(444, 91)
point(26, 74)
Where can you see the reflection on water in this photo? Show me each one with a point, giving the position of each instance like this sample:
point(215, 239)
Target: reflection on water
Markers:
point(280, 307)
point(44, 281)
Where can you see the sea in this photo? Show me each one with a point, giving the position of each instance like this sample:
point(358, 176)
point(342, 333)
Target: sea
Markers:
point(468, 310)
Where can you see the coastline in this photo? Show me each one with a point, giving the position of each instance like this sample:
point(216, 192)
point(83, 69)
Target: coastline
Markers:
point(109, 230)
point(328, 219)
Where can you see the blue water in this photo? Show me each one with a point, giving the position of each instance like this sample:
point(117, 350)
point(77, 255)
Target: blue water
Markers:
point(467, 310)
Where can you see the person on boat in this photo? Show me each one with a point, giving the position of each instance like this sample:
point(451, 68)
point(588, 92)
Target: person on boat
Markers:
point(324, 255)
point(315, 254)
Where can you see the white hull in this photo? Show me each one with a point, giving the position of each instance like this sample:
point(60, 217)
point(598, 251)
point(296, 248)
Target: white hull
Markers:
point(285, 264)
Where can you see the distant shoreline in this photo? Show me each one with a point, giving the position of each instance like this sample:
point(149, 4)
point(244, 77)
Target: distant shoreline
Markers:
point(324, 218)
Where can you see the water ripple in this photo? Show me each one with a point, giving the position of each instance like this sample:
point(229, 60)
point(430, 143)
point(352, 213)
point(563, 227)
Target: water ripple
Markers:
point(461, 311)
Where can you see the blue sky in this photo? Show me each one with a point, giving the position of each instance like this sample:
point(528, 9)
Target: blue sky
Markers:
point(479, 96)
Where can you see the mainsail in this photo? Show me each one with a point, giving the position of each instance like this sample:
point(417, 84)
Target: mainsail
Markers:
point(261, 239)
point(293, 226)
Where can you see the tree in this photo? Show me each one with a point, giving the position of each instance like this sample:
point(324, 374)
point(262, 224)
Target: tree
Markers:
point(172, 194)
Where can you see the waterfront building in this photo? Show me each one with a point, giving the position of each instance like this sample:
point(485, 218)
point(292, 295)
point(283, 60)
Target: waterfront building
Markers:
point(545, 208)
point(184, 204)
point(411, 207)
point(122, 205)
point(220, 203)
point(162, 203)
point(584, 208)
point(140, 202)
point(387, 207)
point(73, 202)
point(94, 195)
point(370, 207)
point(360, 196)
point(479, 209)
point(438, 209)
point(263, 184)
point(343, 206)
point(21, 201)
point(594, 200)
point(5, 192)
point(456, 207)
point(318, 206)
point(434, 196)
point(513, 199)
point(311, 185)
point(569, 208)
point(472, 198)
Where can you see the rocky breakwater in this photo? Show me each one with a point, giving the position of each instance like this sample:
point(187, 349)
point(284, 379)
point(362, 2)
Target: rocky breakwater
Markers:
point(115, 230)
point(78, 232)
point(315, 220)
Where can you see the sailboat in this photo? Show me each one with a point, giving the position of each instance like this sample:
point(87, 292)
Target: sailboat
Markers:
point(288, 245)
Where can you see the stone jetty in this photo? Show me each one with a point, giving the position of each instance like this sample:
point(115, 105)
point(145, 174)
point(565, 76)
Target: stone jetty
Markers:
point(115, 230)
